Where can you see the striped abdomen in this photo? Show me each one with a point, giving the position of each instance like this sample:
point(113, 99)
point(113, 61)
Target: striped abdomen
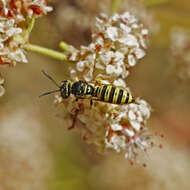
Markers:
point(111, 94)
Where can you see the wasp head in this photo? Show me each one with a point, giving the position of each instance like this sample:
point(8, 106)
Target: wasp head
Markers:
point(65, 89)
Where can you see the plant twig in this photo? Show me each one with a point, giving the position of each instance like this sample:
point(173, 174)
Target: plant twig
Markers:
point(29, 28)
point(63, 46)
point(150, 3)
point(30, 25)
point(45, 51)
point(115, 6)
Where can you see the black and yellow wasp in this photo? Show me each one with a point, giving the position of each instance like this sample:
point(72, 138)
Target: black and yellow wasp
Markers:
point(83, 90)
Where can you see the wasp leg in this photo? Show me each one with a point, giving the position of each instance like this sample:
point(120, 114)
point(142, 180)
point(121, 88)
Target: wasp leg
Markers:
point(81, 98)
point(72, 126)
point(91, 102)
point(98, 81)
point(74, 117)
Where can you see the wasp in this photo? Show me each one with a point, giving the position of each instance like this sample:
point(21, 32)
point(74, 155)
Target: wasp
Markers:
point(83, 90)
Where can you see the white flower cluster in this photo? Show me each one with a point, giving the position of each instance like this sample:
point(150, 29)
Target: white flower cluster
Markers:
point(10, 50)
point(180, 51)
point(118, 127)
point(118, 42)
point(127, 128)
point(14, 16)
point(12, 27)
point(145, 15)
point(21, 9)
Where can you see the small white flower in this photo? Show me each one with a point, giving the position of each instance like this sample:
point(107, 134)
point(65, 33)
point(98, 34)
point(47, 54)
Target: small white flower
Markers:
point(18, 56)
point(125, 28)
point(118, 57)
point(105, 82)
point(142, 42)
point(80, 66)
point(88, 76)
point(118, 70)
point(135, 26)
point(131, 115)
point(129, 132)
point(42, 4)
point(129, 18)
point(119, 82)
point(115, 17)
point(131, 60)
point(2, 90)
point(136, 125)
point(116, 127)
point(99, 41)
point(116, 142)
point(140, 118)
point(110, 69)
point(125, 74)
point(13, 31)
point(145, 112)
point(112, 33)
point(133, 107)
point(144, 32)
point(74, 56)
point(100, 66)
point(127, 155)
point(131, 41)
point(106, 57)
point(139, 53)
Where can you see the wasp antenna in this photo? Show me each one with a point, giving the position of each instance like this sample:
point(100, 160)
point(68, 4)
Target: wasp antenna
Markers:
point(50, 92)
point(50, 78)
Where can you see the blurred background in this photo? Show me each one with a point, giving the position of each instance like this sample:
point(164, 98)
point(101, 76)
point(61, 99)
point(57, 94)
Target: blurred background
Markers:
point(37, 152)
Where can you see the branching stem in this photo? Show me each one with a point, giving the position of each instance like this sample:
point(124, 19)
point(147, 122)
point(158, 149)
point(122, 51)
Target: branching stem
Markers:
point(63, 46)
point(150, 3)
point(45, 51)
point(115, 6)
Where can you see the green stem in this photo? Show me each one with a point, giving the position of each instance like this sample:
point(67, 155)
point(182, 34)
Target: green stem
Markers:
point(30, 25)
point(29, 28)
point(45, 51)
point(63, 46)
point(115, 6)
point(150, 3)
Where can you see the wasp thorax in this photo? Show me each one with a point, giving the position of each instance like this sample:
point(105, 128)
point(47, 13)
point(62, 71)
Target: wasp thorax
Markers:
point(78, 88)
point(65, 89)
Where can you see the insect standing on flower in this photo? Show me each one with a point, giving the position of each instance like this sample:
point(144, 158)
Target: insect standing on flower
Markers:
point(83, 90)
